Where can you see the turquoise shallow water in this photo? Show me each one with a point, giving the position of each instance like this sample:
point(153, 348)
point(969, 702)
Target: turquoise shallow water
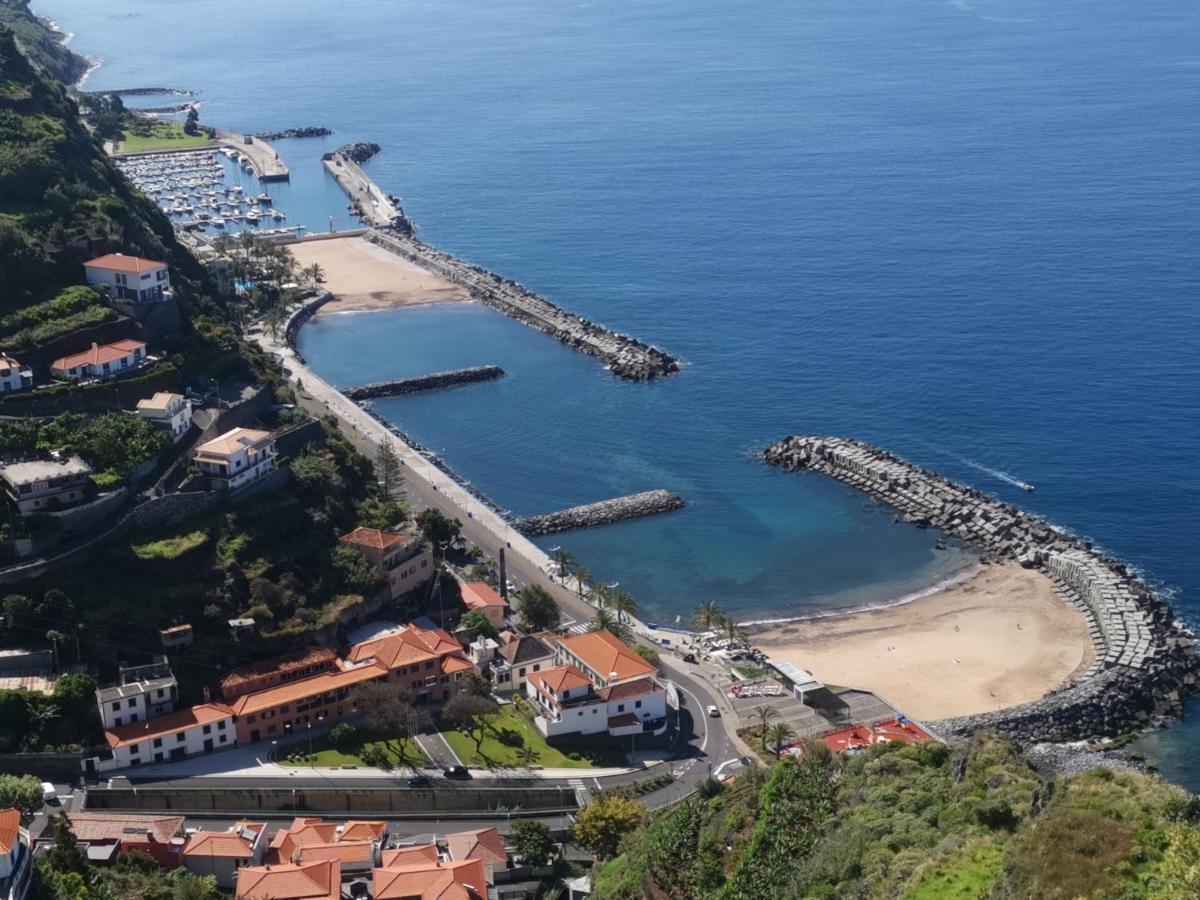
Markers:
point(963, 230)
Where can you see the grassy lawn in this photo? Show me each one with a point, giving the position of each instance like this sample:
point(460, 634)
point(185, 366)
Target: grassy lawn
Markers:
point(170, 547)
point(970, 874)
point(397, 753)
point(513, 740)
point(163, 136)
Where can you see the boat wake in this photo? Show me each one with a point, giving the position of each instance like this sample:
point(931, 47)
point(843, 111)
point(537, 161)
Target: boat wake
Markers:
point(998, 473)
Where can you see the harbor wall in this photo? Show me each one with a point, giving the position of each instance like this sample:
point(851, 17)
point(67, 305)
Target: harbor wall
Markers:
point(1146, 661)
point(401, 387)
point(625, 356)
point(606, 512)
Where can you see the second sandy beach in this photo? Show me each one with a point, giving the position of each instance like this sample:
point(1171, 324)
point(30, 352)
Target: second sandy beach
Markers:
point(997, 639)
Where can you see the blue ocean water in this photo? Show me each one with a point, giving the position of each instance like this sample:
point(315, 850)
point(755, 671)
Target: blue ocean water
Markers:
point(964, 230)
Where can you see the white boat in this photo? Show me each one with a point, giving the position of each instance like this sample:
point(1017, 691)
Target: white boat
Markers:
point(264, 197)
point(252, 217)
point(218, 222)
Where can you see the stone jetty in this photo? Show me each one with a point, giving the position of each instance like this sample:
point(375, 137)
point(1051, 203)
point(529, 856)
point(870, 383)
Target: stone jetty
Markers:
point(367, 201)
point(1146, 660)
point(625, 356)
point(402, 387)
point(606, 512)
point(309, 131)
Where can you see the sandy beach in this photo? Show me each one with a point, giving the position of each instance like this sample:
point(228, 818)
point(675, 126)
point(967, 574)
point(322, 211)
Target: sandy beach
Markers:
point(999, 638)
point(362, 275)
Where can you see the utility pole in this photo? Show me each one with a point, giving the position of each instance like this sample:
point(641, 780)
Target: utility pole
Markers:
point(503, 578)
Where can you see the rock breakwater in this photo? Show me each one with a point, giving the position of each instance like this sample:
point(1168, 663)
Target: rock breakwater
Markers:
point(625, 356)
point(358, 152)
point(401, 387)
point(606, 512)
point(1146, 661)
point(306, 132)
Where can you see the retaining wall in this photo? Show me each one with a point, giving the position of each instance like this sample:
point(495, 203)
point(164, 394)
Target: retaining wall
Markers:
point(1146, 660)
point(382, 800)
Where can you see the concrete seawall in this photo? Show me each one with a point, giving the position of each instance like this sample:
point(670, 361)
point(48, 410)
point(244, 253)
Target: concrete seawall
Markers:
point(625, 356)
point(1146, 661)
point(606, 512)
point(369, 203)
point(402, 387)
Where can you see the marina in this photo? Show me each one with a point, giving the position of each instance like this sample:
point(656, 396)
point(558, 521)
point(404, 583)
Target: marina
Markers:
point(208, 191)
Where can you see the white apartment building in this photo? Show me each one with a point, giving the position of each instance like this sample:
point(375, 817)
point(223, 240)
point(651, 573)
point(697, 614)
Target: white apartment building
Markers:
point(177, 735)
point(129, 278)
point(171, 412)
point(144, 692)
point(101, 360)
point(46, 485)
point(236, 458)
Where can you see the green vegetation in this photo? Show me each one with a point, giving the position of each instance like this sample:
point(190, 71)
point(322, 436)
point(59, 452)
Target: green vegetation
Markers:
point(115, 443)
point(22, 793)
point(509, 738)
point(43, 46)
point(76, 307)
point(141, 135)
point(171, 547)
point(366, 748)
point(916, 822)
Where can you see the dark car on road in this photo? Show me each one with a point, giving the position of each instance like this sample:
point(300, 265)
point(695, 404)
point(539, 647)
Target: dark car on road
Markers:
point(419, 781)
point(460, 773)
point(689, 658)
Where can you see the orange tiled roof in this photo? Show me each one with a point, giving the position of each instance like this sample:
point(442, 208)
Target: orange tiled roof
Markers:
point(480, 595)
point(226, 844)
point(363, 830)
point(408, 856)
point(292, 691)
point(607, 656)
point(233, 440)
point(203, 714)
point(376, 539)
point(466, 880)
point(345, 851)
point(160, 401)
point(98, 354)
point(560, 678)
point(630, 689)
point(309, 656)
point(302, 833)
point(119, 262)
point(482, 843)
point(318, 880)
point(452, 664)
point(407, 646)
point(98, 826)
point(10, 830)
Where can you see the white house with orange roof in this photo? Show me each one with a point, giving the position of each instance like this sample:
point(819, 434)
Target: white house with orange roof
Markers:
point(169, 411)
point(465, 880)
point(129, 278)
point(13, 376)
point(356, 846)
point(600, 686)
point(101, 360)
point(317, 880)
point(237, 457)
point(16, 859)
point(222, 853)
point(401, 556)
point(202, 729)
point(482, 597)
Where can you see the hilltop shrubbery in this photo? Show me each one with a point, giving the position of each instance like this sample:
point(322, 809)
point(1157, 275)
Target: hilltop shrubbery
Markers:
point(916, 822)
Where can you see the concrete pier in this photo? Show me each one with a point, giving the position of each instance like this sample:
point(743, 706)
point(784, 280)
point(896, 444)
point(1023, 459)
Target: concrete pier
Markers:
point(370, 203)
point(402, 387)
point(266, 162)
point(606, 512)
point(1146, 660)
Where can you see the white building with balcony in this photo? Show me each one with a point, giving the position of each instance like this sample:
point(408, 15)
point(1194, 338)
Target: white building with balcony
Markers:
point(237, 458)
point(170, 412)
point(101, 361)
point(41, 486)
point(124, 277)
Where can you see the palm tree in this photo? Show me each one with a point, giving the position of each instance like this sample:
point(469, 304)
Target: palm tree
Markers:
point(765, 713)
point(602, 594)
point(315, 273)
point(39, 717)
point(624, 604)
point(273, 319)
point(779, 734)
point(606, 621)
point(582, 578)
point(565, 560)
point(708, 616)
point(732, 630)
